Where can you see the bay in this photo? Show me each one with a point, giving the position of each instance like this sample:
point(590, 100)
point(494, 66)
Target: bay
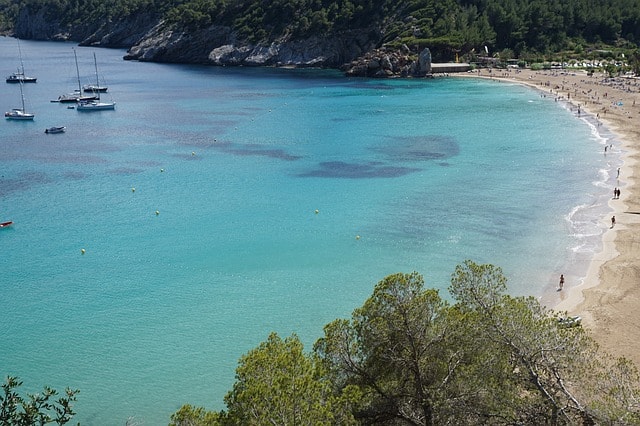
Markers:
point(217, 205)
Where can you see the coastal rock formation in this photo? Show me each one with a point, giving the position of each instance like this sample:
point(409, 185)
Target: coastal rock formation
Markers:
point(165, 45)
point(149, 39)
point(423, 66)
point(219, 45)
point(351, 52)
point(390, 63)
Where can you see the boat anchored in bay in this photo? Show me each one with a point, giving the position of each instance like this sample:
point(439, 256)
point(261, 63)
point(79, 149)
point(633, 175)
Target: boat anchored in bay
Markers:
point(20, 77)
point(77, 95)
point(96, 104)
point(19, 113)
point(55, 129)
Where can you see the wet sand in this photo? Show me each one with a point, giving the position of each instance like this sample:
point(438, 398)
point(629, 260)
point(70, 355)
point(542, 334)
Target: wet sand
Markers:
point(608, 299)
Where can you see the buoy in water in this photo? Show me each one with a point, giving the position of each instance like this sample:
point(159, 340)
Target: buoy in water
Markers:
point(82, 251)
point(193, 153)
point(317, 211)
point(161, 170)
point(133, 189)
point(357, 237)
point(157, 212)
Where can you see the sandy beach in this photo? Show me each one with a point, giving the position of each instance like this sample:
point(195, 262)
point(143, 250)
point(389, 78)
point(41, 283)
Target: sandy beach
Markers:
point(608, 299)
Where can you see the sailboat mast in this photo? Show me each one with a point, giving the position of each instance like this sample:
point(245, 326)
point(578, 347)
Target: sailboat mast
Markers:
point(21, 62)
point(22, 96)
point(95, 64)
point(77, 71)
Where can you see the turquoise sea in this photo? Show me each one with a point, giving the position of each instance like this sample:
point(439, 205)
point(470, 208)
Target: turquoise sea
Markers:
point(216, 205)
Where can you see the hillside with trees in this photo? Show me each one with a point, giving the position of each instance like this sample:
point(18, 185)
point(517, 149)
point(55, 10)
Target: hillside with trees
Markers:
point(530, 29)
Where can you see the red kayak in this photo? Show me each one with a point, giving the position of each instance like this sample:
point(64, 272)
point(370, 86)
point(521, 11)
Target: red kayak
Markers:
point(5, 224)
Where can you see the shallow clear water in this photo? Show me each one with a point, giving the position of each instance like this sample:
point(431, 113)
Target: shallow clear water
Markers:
point(404, 175)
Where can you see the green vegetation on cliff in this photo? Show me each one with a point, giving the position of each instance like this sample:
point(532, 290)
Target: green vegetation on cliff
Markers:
point(520, 28)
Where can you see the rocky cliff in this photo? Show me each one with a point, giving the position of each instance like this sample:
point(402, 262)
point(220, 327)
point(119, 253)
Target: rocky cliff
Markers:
point(354, 52)
point(148, 39)
point(218, 45)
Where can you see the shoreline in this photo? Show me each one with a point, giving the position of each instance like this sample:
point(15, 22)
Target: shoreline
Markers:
point(608, 298)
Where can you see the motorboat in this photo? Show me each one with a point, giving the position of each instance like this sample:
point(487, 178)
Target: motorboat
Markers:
point(55, 129)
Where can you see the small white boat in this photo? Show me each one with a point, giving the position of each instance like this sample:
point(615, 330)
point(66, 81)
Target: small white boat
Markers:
point(55, 129)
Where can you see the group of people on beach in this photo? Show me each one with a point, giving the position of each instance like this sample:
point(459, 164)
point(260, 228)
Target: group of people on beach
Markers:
point(616, 193)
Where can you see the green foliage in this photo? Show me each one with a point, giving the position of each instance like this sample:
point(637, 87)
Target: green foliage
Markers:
point(409, 357)
point(415, 358)
point(277, 383)
point(37, 409)
point(188, 415)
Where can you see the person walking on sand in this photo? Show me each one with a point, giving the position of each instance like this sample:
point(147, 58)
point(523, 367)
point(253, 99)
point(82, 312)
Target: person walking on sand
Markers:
point(561, 282)
point(613, 221)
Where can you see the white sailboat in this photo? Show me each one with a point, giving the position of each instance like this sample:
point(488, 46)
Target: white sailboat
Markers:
point(20, 77)
point(96, 104)
point(19, 113)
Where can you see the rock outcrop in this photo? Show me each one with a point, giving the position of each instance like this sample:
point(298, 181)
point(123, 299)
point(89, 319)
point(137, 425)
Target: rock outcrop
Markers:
point(383, 62)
